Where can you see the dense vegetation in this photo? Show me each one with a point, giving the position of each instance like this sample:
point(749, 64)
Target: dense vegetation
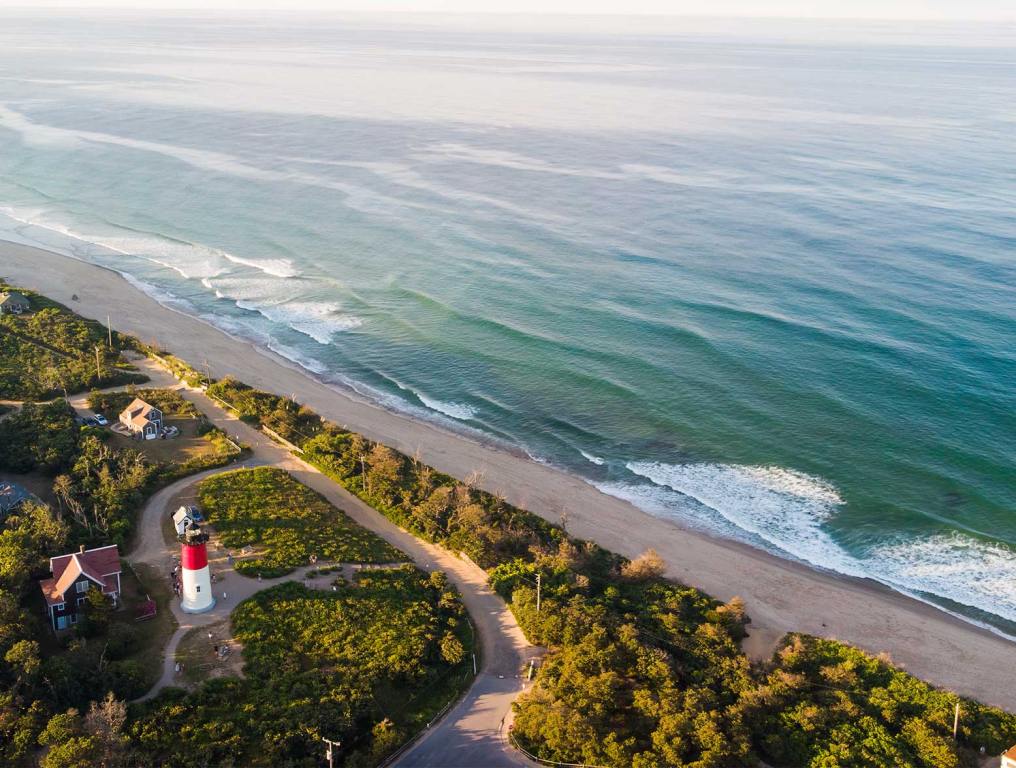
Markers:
point(40, 675)
point(169, 401)
point(98, 487)
point(642, 671)
point(285, 522)
point(50, 351)
point(367, 665)
point(823, 703)
point(39, 437)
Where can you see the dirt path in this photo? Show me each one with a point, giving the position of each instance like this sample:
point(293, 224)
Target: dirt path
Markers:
point(471, 734)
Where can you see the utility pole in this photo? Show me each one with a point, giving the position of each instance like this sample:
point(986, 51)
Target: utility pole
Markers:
point(363, 472)
point(109, 330)
point(956, 720)
point(329, 756)
point(539, 590)
point(98, 372)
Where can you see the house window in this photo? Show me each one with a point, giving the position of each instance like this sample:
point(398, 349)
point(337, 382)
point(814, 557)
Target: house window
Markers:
point(81, 600)
point(74, 618)
point(82, 586)
point(59, 606)
point(197, 588)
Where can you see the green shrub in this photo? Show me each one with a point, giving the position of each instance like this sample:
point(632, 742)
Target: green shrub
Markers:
point(51, 350)
point(361, 665)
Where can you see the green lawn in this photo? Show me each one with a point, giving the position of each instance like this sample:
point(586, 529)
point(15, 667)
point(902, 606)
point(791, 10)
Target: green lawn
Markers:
point(285, 522)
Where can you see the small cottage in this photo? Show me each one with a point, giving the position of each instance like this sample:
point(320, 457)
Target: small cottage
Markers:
point(182, 520)
point(73, 576)
point(142, 419)
point(13, 303)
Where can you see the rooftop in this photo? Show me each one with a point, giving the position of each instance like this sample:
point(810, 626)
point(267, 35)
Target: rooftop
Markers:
point(13, 296)
point(12, 494)
point(96, 564)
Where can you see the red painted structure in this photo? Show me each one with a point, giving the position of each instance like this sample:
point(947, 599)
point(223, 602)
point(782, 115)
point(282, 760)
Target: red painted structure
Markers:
point(193, 557)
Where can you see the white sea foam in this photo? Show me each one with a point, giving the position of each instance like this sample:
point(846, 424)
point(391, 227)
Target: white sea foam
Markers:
point(273, 267)
point(459, 411)
point(786, 510)
point(598, 461)
point(189, 260)
point(320, 320)
point(956, 566)
point(512, 160)
point(782, 507)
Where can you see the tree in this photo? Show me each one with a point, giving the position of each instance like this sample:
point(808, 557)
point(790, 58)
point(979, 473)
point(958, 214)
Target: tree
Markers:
point(69, 746)
point(451, 649)
point(384, 470)
point(23, 657)
point(105, 721)
point(98, 608)
point(648, 565)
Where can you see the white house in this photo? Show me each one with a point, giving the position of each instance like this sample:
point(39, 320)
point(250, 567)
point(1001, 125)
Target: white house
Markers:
point(142, 419)
point(182, 520)
point(73, 576)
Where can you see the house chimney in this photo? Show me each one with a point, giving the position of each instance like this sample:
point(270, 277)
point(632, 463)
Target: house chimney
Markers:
point(82, 550)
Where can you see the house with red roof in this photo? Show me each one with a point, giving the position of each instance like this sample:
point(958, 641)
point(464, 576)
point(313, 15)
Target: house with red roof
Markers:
point(73, 576)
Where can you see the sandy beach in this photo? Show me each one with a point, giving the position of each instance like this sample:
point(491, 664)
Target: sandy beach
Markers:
point(780, 595)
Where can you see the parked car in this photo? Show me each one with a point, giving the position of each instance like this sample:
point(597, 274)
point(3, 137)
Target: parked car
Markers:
point(101, 420)
point(171, 431)
point(91, 422)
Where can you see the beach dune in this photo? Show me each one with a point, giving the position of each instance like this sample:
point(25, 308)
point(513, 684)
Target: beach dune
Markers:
point(780, 595)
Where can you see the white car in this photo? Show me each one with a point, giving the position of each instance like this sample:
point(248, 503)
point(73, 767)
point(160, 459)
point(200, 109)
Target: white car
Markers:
point(101, 420)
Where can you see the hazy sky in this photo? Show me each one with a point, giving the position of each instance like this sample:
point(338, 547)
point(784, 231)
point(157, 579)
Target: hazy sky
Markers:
point(893, 9)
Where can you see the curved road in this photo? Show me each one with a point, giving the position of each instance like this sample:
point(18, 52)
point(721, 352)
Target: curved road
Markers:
point(471, 733)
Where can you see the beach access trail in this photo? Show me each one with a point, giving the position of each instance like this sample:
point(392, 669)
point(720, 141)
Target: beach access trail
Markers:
point(780, 595)
point(472, 732)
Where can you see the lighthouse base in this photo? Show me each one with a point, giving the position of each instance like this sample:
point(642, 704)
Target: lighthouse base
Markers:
point(189, 607)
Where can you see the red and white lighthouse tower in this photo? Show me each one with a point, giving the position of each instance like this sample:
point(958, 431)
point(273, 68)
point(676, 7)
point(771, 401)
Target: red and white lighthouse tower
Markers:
point(195, 576)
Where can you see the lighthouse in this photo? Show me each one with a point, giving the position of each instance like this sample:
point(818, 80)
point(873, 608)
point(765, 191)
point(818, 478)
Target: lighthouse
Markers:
point(195, 577)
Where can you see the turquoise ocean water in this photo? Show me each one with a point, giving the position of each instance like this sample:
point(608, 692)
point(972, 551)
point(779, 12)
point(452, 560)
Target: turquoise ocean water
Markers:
point(758, 278)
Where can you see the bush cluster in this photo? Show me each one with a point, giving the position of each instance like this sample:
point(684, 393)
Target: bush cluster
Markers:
point(50, 351)
point(364, 665)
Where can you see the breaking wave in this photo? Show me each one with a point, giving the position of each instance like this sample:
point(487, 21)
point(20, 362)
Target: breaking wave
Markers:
point(459, 411)
point(785, 511)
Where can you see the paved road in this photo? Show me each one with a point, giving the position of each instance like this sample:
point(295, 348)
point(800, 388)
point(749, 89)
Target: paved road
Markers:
point(471, 734)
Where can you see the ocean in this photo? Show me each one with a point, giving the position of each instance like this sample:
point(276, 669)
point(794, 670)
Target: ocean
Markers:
point(757, 277)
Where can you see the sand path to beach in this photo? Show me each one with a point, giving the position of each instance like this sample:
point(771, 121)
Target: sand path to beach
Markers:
point(779, 595)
